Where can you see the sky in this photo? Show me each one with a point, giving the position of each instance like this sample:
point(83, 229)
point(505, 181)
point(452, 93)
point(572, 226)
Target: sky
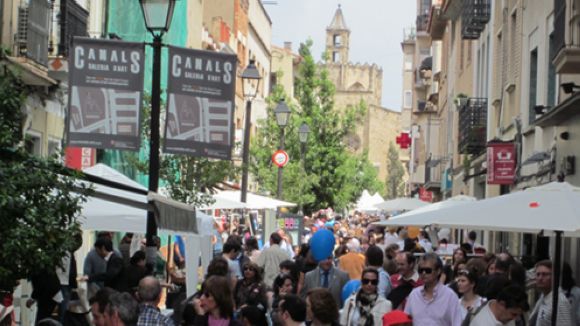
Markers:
point(376, 31)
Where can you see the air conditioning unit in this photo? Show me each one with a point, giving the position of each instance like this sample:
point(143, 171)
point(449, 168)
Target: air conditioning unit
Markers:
point(31, 39)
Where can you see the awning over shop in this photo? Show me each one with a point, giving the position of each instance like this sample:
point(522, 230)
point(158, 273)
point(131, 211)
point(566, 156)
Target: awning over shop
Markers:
point(224, 203)
point(120, 204)
point(30, 73)
point(560, 113)
point(254, 201)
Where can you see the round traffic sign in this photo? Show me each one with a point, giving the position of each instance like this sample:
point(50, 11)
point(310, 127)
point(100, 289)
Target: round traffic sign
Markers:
point(280, 158)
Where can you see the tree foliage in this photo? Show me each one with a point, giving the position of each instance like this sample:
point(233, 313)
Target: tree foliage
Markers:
point(395, 182)
point(38, 208)
point(332, 175)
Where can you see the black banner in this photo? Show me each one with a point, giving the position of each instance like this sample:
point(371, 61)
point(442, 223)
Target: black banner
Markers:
point(106, 90)
point(200, 103)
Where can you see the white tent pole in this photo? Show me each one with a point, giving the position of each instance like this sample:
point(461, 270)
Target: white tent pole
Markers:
point(192, 251)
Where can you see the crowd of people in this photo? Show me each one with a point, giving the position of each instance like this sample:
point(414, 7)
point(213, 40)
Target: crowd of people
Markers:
point(373, 277)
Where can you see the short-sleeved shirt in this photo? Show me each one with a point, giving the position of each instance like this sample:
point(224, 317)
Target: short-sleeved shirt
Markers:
point(486, 318)
point(442, 309)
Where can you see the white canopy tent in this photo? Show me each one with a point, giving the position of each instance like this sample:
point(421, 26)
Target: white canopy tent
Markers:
point(421, 216)
point(366, 202)
point(401, 204)
point(113, 209)
point(224, 203)
point(553, 207)
point(377, 198)
point(253, 201)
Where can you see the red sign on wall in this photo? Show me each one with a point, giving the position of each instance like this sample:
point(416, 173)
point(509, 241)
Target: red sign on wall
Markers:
point(501, 163)
point(79, 158)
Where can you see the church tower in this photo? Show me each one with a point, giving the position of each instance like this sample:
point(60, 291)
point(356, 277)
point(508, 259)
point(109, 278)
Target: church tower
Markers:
point(337, 39)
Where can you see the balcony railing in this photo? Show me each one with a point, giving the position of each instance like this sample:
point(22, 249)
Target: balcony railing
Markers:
point(473, 126)
point(434, 167)
point(559, 26)
point(73, 22)
point(476, 14)
point(422, 22)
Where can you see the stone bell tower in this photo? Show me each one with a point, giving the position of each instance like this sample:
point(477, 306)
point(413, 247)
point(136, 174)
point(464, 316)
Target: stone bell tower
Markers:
point(337, 39)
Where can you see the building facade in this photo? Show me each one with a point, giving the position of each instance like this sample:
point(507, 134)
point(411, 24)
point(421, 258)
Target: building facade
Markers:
point(356, 84)
point(502, 71)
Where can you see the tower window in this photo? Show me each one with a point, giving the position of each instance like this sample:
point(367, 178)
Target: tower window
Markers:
point(337, 40)
point(335, 56)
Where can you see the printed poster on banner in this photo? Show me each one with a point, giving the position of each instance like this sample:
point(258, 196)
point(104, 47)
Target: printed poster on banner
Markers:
point(106, 91)
point(200, 103)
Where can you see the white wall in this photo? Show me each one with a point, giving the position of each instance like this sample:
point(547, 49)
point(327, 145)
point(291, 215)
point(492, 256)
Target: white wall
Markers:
point(259, 48)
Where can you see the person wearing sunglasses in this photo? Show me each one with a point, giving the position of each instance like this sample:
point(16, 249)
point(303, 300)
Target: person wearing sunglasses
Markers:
point(250, 290)
point(433, 303)
point(365, 307)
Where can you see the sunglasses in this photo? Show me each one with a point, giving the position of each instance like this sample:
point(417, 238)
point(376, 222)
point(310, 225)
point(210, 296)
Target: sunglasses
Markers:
point(249, 269)
point(366, 281)
point(426, 270)
point(463, 272)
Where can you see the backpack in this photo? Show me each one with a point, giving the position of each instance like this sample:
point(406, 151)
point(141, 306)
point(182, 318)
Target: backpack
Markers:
point(471, 314)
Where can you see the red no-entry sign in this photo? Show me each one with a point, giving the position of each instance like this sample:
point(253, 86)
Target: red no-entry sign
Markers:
point(280, 158)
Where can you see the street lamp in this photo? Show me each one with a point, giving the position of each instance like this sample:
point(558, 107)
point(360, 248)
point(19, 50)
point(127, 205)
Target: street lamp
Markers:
point(157, 15)
point(303, 133)
point(303, 137)
point(250, 82)
point(282, 113)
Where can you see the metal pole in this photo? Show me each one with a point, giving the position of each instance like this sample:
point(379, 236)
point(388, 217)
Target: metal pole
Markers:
point(556, 276)
point(246, 151)
point(281, 147)
point(154, 142)
point(302, 152)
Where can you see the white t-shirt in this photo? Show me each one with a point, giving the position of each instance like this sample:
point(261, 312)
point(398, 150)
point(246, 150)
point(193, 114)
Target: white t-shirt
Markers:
point(391, 238)
point(486, 318)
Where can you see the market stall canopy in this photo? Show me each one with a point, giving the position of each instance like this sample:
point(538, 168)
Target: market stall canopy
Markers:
point(366, 202)
point(421, 216)
point(401, 204)
point(254, 201)
point(224, 203)
point(120, 204)
point(551, 207)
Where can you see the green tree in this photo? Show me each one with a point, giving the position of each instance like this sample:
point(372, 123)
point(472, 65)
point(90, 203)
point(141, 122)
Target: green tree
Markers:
point(332, 176)
point(38, 207)
point(395, 183)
